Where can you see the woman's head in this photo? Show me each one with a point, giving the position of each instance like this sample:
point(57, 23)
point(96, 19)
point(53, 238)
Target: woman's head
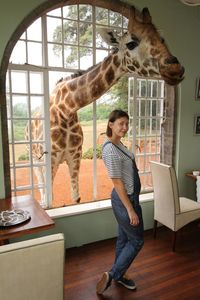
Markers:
point(113, 117)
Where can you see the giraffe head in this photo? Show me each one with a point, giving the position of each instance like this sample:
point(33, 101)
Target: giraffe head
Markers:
point(143, 51)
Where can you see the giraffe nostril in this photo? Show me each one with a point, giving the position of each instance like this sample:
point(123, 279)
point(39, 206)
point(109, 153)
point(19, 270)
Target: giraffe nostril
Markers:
point(171, 60)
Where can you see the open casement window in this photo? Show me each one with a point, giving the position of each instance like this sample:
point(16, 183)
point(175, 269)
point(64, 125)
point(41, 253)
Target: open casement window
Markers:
point(151, 108)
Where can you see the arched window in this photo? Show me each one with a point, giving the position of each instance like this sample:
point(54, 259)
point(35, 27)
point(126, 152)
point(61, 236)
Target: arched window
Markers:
point(59, 43)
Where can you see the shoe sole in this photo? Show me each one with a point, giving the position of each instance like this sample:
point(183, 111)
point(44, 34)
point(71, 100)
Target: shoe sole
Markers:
point(101, 285)
point(127, 286)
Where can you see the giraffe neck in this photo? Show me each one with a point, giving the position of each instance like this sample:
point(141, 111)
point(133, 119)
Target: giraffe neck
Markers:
point(78, 92)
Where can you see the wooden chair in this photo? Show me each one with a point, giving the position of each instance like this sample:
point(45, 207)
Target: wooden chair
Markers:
point(170, 209)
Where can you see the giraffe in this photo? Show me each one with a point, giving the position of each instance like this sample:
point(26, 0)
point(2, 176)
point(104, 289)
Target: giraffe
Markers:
point(141, 50)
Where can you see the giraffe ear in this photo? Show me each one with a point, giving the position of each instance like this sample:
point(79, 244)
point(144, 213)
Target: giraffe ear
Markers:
point(146, 15)
point(108, 36)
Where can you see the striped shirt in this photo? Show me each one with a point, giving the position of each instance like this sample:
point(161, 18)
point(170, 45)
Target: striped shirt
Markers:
point(119, 165)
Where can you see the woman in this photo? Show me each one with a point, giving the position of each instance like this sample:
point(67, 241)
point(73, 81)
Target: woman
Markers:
point(120, 163)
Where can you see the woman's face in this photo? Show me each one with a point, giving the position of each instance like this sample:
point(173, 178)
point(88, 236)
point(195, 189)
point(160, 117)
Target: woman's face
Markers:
point(119, 127)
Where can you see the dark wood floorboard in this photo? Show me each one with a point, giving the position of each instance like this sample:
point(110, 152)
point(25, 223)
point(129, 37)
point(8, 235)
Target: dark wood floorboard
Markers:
point(160, 274)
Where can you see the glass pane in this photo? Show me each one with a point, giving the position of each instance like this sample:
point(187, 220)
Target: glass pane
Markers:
point(115, 19)
point(100, 55)
point(85, 12)
point(55, 12)
point(39, 153)
point(36, 83)
point(85, 34)
point(55, 55)
point(8, 106)
point(70, 12)
point(18, 55)
point(70, 32)
point(100, 43)
point(71, 56)
point(9, 123)
point(37, 135)
point(19, 81)
point(54, 77)
point(34, 31)
point(20, 107)
point(35, 53)
point(19, 127)
point(101, 16)
point(54, 30)
point(86, 58)
point(23, 177)
point(21, 153)
point(37, 106)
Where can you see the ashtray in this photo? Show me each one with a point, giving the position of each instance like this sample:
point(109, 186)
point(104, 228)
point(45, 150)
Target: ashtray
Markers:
point(13, 217)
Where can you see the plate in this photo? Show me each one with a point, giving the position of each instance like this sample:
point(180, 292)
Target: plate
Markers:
point(13, 217)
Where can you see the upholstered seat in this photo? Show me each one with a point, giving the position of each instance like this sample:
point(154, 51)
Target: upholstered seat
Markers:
point(170, 209)
point(33, 269)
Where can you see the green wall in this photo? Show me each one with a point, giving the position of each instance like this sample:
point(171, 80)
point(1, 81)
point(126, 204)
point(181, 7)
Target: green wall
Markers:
point(180, 25)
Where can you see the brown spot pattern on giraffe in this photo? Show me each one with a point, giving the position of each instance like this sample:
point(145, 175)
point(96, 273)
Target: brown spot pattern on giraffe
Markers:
point(110, 75)
point(106, 63)
point(74, 140)
point(116, 61)
point(73, 85)
point(97, 87)
point(92, 74)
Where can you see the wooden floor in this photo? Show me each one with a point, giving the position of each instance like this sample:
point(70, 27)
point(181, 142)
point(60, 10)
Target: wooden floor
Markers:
point(159, 273)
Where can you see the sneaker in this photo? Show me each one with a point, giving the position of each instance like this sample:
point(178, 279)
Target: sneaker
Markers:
point(128, 283)
point(103, 283)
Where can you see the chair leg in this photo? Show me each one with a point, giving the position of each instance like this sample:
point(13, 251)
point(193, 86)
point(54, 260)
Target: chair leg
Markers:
point(174, 241)
point(154, 228)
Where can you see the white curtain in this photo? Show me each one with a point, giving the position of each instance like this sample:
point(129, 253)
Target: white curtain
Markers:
point(191, 2)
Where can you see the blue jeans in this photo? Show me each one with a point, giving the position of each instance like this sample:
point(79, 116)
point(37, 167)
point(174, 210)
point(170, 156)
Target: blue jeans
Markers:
point(130, 238)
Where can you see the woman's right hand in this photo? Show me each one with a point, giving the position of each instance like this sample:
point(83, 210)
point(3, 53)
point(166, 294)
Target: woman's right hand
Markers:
point(134, 220)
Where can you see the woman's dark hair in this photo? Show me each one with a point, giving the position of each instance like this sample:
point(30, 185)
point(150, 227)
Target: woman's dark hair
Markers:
point(114, 115)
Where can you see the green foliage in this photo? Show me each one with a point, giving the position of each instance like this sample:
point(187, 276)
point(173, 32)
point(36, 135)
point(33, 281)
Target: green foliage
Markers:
point(89, 154)
point(23, 157)
point(119, 92)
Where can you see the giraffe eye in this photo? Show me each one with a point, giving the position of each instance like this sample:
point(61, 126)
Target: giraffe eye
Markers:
point(131, 45)
point(162, 40)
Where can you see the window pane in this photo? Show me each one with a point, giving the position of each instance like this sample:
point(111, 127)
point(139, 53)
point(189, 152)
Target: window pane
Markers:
point(23, 177)
point(34, 31)
point(85, 34)
point(18, 55)
point(101, 16)
point(36, 83)
point(54, 30)
point(100, 55)
point(85, 12)
point(54, 77)
point(115, 19)
point(19, 129)
point(21, 153)
point(37, 105)
point(55, 55)
point(70, 12)
point(35, 53)
point(55, 12)
point(86, 58)
point(70, 32)
point(71, 56)
point(19, 82)
point(20, 107)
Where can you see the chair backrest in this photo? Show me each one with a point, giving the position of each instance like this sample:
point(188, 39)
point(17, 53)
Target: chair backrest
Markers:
point(166, 195)
point(33, 269)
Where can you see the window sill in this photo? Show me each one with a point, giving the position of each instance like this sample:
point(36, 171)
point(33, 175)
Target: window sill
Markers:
point(83, 208)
